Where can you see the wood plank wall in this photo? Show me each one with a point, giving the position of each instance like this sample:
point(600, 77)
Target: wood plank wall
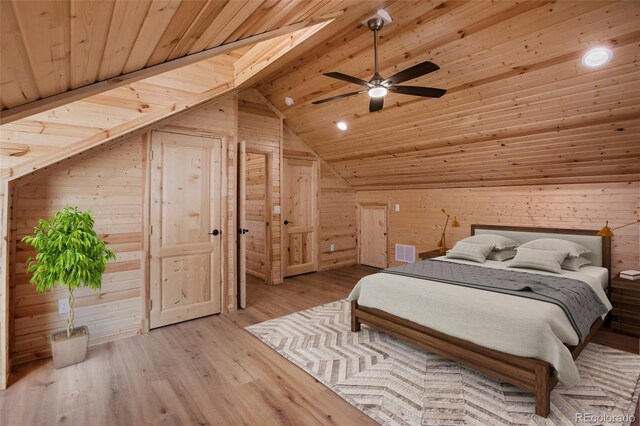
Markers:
point(337, 205)
point(582, 206)
point(261, 128)
point(256, 214)
point(110, 182)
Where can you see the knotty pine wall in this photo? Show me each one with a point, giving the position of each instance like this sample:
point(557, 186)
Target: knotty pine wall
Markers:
point(337, 205)
point(110, 182)
point(582, 206)
point(261, 128)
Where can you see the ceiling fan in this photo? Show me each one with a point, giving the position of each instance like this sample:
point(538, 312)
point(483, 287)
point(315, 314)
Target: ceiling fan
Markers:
point(378, 86)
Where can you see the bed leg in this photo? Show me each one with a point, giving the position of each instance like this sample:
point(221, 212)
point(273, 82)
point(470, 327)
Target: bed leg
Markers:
point(543, 390)
point(355, 323)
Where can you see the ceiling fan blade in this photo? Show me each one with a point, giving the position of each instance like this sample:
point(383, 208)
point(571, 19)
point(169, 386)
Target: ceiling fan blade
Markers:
point(376, 104)
point(333, 98)
point(350, 79)
point(410, 73)
point(427, 92)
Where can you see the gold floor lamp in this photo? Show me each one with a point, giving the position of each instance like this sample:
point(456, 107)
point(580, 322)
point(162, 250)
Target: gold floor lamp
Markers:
point(608, 232)
point(442, 244)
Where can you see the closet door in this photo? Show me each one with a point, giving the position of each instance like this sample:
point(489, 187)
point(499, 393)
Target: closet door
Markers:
point(372, 224)
point(300, 204)
point(186, 232)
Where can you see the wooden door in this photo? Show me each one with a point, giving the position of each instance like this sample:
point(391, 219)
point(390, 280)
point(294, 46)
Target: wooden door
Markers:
point(186, 232)
point(258, 215)
point(300, 216)
point(372, 239)
point(242, 224)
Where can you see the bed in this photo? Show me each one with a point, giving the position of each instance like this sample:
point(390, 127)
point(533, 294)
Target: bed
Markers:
point(527, 343)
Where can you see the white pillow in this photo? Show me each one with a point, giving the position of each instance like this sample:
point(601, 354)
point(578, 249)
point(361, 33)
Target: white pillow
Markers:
point(466, 251)
point(555, 244)
point(574, 263)
point(544, 260)
point(501, 255)
point(498, 241)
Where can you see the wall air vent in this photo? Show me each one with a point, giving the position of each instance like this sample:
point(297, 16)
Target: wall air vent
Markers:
point(405, 253)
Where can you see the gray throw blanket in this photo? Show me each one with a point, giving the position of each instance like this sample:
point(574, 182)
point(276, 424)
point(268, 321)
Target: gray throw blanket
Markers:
point(580, 302)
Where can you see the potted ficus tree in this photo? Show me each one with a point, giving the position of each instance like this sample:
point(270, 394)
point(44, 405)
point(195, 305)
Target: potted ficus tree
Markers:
point(69, 254)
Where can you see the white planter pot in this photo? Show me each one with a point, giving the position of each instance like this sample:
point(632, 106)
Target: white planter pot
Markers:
point(69, 350)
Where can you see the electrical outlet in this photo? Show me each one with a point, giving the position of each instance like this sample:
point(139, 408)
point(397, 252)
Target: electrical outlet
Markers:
point(397, 207)
point(333, 247)
point(276, 209)
point(63, 306)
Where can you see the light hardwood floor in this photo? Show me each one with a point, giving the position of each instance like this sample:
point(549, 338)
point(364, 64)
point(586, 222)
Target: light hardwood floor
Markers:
point(205, 371)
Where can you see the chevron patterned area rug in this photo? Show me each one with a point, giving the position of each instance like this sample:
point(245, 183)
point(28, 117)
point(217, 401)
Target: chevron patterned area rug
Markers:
point(395, 383)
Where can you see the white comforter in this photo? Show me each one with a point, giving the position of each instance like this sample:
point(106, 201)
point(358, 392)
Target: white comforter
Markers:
point(511, 324)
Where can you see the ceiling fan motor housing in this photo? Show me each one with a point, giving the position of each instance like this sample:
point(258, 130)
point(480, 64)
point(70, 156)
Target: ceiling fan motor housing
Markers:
point(375, 24)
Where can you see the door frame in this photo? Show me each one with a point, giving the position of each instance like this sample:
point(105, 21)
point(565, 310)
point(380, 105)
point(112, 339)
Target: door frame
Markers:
point(360, 206)
point(145, 294)
point(315, 251)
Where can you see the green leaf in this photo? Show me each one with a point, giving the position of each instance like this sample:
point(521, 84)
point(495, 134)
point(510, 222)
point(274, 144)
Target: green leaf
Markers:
point(69, 253)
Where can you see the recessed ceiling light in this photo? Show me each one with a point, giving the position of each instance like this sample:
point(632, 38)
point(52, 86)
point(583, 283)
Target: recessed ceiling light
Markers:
point(377, 92)
point(341, 125)
point(288, 101)
point(597, 57)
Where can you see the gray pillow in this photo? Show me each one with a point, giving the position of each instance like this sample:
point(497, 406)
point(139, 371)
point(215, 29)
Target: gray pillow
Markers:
point(574, 263)
point(466, 251)
point(498, 241)
point(555, 244)
point(501, 255)
point(544, 260)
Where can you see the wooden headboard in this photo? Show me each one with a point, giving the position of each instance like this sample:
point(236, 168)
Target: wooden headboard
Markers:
point(600, 246)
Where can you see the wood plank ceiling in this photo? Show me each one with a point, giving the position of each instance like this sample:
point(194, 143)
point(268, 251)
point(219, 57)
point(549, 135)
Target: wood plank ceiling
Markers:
point(51, 47)
point(520, 107)
point(41, 139)
point(47, 137)
point(37, 136)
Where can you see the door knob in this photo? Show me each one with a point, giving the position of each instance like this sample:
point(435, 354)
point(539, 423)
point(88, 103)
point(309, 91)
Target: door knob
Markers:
point(215, 232)
point(286, 222)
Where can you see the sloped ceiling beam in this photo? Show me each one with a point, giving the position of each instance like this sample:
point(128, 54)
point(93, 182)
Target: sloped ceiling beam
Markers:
point(289, 45)
point(265, 53)
point(301, 51)
point(54, 101)
point(248, 68)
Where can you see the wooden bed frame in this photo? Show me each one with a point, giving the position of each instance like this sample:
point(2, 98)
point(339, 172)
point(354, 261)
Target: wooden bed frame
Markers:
point(530, 374)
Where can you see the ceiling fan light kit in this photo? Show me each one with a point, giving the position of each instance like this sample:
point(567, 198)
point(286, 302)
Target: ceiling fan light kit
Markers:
point(377, 92)
point(378, 87)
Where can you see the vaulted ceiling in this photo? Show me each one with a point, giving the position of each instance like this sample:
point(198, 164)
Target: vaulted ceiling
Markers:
point(52, 128)
point(52, 47)
point(520, 107)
